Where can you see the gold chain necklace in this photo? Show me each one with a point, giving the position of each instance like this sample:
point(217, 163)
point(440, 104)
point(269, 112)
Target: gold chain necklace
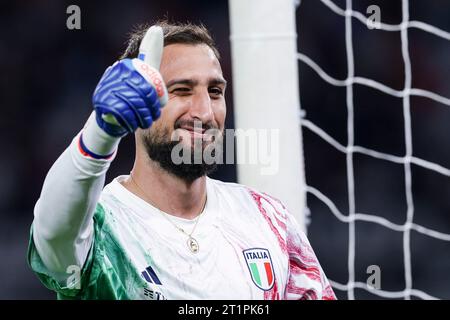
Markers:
point(191, 242)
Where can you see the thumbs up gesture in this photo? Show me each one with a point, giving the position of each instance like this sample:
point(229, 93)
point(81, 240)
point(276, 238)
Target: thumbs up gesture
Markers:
point(131, 92)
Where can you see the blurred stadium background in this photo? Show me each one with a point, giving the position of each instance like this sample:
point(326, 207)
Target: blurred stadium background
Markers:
point(48, 73)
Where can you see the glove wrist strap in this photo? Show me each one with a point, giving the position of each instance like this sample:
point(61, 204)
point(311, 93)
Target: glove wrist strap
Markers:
point(95, 143)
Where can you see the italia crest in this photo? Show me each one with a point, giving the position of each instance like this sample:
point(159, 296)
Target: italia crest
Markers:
point(260, 266)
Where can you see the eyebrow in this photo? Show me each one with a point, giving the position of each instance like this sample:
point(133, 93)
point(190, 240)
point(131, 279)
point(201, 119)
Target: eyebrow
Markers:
point(191, 82)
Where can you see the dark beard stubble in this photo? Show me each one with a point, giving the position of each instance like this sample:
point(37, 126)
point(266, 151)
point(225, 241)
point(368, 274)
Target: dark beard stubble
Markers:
point(159, 149)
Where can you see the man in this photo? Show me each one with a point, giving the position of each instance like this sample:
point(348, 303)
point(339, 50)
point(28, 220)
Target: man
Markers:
point(166, 231)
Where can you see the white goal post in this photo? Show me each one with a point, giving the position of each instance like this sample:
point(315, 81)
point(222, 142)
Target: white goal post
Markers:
point(266, 96)
point(265, 84)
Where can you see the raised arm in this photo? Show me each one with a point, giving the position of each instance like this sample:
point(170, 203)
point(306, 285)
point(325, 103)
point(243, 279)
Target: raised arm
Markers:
point(128, 96)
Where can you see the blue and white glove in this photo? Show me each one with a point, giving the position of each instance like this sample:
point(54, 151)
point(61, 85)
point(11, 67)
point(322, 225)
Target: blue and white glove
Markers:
point(132, 91)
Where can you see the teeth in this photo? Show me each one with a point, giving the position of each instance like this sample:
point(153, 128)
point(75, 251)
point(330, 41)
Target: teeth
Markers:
point(194, 130)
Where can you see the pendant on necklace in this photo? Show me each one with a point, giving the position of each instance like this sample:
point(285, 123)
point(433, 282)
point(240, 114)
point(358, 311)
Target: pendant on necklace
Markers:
point(192, 245)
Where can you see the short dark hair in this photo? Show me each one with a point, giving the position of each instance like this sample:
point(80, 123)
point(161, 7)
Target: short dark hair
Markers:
point(183, 33)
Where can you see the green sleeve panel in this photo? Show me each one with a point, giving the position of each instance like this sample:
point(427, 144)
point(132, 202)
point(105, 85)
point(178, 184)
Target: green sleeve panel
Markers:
point(106, 274)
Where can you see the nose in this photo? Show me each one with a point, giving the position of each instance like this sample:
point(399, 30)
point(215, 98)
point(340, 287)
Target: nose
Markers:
point(201, 107)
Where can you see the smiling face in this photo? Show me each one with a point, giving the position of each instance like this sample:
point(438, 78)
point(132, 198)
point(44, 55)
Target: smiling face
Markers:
point(196, 88)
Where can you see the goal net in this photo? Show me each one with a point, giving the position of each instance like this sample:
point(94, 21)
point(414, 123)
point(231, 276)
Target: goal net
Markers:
point(374, 100)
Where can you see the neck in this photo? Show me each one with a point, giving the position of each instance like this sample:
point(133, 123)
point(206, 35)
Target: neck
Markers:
point(166, 191)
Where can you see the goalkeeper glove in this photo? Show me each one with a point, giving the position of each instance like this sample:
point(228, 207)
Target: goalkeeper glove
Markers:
point(132, 91)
